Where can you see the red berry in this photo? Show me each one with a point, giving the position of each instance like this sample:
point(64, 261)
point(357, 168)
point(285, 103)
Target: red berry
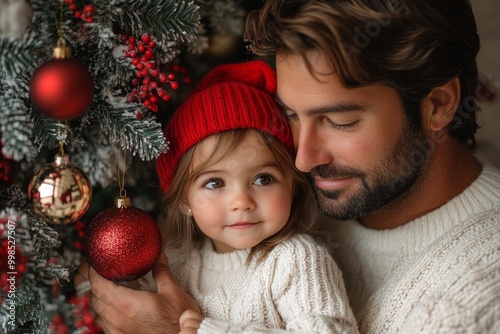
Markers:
point(174, 85)
point(153, 99)
point(21, 268)
point(131, 47)
point(135, 82)
point(171, 76)
point(145, 38)
point(88, 318)
point(162, 77)
point(153, 85)
point(150, 65)
point(154, 108)
point(145, 71)
point(72, 7)
point(90, 20)
point(146, 81)
point(166, 97)
point(139, 66)
point(144, 59)
point(148, 53)
point(88, 9)
point(79, 225)
point(78, 14)
point(140, 47)
point(136, 61)
point(131, 40)
point(154, 72)
point(151, 44)
point(139, 74)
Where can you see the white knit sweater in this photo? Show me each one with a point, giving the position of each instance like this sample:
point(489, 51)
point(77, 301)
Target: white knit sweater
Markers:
point(297, 288)
point(439, 273)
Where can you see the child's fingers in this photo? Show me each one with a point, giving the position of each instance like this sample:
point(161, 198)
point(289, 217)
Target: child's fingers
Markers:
point(190, 319)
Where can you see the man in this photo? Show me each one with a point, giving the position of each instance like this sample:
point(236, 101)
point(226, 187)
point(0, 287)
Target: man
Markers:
point(380, 98)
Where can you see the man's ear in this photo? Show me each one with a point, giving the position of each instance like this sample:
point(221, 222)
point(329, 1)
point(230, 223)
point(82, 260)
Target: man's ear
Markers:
point(440, 105)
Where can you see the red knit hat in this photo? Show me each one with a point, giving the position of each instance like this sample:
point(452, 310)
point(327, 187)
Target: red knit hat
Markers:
point(234, 96)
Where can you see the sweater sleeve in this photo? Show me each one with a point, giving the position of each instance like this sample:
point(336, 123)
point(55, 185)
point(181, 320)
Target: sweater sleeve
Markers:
point(465, 296)
point(307, 290)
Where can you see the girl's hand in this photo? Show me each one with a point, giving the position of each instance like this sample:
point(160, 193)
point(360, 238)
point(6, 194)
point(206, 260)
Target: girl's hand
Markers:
point(190, 321)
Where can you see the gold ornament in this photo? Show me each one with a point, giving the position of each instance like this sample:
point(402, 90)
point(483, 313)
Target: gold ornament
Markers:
point(60, 192)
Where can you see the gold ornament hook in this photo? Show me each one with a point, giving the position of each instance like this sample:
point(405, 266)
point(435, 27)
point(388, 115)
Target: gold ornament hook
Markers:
point(62, 51)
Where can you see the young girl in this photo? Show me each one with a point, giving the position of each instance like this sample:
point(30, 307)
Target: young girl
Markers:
point(238, 212)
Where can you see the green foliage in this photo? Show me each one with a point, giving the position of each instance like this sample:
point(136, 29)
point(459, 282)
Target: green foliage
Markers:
point(179, 29)
point(141, 136)
point(17, 55)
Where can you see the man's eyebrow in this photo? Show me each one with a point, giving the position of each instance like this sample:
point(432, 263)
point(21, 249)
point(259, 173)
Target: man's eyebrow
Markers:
point(335, 108)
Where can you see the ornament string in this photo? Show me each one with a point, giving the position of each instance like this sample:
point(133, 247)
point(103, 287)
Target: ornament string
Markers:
point(61, 42)
point(122, 160)
point(62, 139)
point(59, 22)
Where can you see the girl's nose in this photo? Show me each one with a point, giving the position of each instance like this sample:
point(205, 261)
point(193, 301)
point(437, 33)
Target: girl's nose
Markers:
point(242, 200)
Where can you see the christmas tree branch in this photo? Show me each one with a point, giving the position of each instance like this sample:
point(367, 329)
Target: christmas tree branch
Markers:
point(17, 55)
point(141, 136)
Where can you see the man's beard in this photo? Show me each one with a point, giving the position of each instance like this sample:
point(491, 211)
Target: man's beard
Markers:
point(386, 184)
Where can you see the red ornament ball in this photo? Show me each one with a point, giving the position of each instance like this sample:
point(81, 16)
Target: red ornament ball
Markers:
point(123, 244)
point(62, 89)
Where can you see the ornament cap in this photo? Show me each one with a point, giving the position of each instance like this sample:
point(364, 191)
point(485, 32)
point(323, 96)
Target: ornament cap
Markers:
point(61, 51)
point(61, 159)
point(122, 202)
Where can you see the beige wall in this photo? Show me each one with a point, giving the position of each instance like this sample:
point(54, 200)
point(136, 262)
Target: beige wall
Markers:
point(488, 21)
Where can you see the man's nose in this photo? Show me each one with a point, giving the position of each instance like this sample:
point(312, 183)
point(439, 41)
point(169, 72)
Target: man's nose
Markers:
point(311, 147)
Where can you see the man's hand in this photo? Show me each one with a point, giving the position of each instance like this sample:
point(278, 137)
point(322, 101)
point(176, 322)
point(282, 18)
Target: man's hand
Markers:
point(122, 310)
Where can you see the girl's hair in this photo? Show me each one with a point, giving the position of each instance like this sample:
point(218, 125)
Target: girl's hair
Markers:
point(180, 231)
point(411, 46)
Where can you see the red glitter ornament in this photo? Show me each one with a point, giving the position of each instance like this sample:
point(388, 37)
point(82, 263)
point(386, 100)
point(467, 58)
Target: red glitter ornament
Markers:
point(62, 88)
point(123, 243)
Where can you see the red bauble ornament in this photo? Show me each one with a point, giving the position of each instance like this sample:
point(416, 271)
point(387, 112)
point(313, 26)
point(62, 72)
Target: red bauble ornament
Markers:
point(62, 88)
point(123, 243)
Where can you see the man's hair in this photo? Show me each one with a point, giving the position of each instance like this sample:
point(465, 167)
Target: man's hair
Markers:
point(411, 46)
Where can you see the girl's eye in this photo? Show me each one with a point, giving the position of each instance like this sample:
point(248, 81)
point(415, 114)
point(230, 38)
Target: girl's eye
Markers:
point(264, 180)
point(213, 184)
